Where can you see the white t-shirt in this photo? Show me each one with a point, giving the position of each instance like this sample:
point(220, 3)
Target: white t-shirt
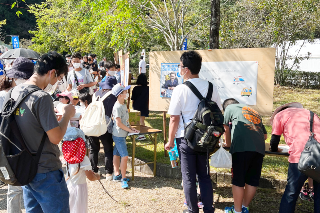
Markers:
point(80, 177)
point(142, 65)
point(83, 76)
point(183, 100)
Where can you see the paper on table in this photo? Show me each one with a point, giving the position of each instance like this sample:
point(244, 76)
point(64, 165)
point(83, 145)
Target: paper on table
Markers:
point(134, 133)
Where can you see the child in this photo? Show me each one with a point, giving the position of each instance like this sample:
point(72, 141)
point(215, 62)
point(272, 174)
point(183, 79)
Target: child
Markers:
point(64, 98)
point(247, 147)
point(78, 168)
point(120, 131)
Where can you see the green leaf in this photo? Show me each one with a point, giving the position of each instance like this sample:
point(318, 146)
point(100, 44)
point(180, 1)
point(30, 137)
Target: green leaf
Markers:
point(18, 13)
point(13, 4)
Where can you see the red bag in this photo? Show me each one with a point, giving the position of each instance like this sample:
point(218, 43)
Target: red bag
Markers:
point(74, 151)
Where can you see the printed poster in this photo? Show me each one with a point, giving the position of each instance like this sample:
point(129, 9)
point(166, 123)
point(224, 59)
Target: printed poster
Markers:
point(233, 79)
point(169, 79)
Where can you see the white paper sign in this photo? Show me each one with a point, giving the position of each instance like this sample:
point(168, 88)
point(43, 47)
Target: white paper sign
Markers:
point(233, 79)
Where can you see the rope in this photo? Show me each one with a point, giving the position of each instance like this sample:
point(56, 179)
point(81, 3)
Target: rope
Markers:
point(107, 191)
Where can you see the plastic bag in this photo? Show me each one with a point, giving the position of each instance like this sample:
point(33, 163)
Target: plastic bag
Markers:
point(221, 158)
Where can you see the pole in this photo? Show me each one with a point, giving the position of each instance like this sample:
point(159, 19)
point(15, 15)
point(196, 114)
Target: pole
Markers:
point(165, 132)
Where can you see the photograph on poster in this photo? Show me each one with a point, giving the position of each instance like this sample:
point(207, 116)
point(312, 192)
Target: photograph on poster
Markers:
point(169, 79)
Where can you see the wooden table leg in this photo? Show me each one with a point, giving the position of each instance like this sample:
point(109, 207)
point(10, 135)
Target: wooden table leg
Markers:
point(155, 155)
point(133, 154)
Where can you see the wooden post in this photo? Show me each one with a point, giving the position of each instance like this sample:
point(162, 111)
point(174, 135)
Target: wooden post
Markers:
point(165, 140)
point(128, 101)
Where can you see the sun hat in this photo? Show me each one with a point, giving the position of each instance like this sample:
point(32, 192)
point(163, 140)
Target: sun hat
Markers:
point(21, 68)
point(109, 82)
point(74, 151)
point(118, 89)
point(66, 93)
point(285, 106)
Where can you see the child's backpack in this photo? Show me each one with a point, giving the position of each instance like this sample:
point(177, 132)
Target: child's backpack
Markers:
point(18, 166)
point(93, 122)
point(206, 127)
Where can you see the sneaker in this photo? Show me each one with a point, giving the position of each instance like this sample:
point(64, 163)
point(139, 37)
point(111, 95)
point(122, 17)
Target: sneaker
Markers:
point(311, 194)
point(229, 209)
point(109, 177)
point(245, 209)
point(124, 184)
point(117, 178)
point(304, 194)
point(126, 179)
point(200, 205)
point(140, 137)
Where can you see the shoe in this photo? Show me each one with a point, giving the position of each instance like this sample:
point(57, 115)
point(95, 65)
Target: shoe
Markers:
point(304, 194)
point(109, 177)
point(126, 179)
point(200, 205)
point(124, 184)
point(141, 137)
point(229, 209)
point(311, 195)
point(245, 209)
point(117, 178)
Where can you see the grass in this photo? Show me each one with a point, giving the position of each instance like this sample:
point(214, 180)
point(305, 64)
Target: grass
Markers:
point(273, 167)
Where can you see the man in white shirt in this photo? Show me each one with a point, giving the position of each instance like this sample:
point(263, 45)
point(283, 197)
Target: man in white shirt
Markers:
point(183, 105)
point(142, 66)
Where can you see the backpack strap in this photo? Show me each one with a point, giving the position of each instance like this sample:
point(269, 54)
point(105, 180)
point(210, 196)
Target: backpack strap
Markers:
point(105, 96)
point(75, 78)
point(12, 105)
point(210, 91)
point(194, 89)
point(311, 122)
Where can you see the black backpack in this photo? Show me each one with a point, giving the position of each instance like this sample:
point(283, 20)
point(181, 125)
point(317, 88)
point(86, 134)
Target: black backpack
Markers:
point(206, 127)
point(18, 166)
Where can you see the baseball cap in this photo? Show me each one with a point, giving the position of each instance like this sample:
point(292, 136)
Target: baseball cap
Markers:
point(21, 68)
point(66, 93)
point(118, 89)
point(109, 82)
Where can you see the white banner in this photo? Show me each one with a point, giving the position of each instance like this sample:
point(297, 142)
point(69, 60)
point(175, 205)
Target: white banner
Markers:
point(233, 79)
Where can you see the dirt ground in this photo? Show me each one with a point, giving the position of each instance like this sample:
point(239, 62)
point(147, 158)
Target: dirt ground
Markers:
point(148, 194)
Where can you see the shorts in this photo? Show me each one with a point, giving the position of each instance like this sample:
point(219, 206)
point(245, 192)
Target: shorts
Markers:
point(144, 113)
point(120, 148)
point(246, 168)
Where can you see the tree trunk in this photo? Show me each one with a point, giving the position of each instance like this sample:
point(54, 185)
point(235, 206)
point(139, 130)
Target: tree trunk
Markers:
point(214, 24)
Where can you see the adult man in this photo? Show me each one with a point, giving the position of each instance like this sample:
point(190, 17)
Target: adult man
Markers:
point(182, 108)
point(79, 78)
point(292, 121)
point(93, 66)
point(142, 66)
point(172, 82)
point(47, 192)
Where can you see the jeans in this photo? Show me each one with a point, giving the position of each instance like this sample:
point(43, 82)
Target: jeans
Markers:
point(120, 148)
point(193, 164)
point(295, 182)
point(48, 193)
point(107, 142)
point(14, 197)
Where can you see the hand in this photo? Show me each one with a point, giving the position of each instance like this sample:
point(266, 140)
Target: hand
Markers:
point(279, 150)
point(69, 110)
point(133, 130)
point(169, 146)
point(80, 87)
point(97, 176)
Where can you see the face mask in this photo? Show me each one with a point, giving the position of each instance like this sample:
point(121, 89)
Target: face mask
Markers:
point(112, 73)
point(51, 88)
point(127, 96)
point(19, 81)
point(181, 73)
point(76, 65)
point(81, 61)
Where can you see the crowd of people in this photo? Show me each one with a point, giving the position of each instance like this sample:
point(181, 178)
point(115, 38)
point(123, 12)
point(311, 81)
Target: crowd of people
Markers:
point(66, 88)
